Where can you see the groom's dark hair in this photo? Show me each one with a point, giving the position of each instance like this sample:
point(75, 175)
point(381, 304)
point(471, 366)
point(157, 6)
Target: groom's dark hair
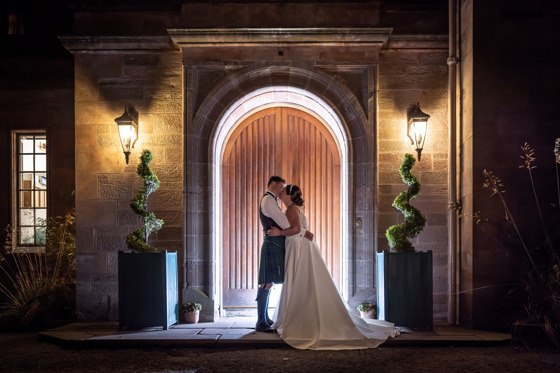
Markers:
point(275, 179)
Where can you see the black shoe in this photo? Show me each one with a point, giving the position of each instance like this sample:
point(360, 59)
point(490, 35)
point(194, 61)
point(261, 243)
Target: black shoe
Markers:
point(264, 328)
point(269, 321)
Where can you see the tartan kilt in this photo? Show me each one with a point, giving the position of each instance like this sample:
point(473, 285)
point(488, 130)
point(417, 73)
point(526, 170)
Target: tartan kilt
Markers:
point(271, 269)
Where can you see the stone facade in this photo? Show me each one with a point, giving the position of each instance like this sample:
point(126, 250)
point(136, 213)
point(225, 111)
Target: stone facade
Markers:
point(181, 84)
point(152, 59)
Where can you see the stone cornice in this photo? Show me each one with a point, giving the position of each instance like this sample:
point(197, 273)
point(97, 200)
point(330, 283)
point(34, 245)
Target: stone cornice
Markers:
point(90, 44)
point(293, 37)
point(280, 37)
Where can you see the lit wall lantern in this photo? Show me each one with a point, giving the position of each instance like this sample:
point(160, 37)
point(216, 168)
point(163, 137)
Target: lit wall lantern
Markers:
point(416, 129)
point(128, 130)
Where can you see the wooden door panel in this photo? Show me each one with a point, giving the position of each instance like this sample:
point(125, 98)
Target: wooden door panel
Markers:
point(295, 145)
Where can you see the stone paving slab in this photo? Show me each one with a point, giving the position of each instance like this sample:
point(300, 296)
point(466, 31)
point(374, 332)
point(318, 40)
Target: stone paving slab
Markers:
point(240, 331)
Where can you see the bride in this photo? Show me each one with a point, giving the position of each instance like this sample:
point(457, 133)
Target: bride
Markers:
point(311, 314)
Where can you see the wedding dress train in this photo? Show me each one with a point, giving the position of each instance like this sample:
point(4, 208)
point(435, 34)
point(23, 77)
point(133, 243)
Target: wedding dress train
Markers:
point(311, 314)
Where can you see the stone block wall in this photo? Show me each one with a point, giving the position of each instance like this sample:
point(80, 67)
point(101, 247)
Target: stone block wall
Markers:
point(151, 82)
point(407, 77)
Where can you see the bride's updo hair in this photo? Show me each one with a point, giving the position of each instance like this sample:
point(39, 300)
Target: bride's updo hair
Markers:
point(295, 193)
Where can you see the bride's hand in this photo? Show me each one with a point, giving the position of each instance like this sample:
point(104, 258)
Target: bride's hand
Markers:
point(274, 232)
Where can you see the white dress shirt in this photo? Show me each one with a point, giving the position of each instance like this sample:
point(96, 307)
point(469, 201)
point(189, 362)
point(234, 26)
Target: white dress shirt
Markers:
point(271, 209)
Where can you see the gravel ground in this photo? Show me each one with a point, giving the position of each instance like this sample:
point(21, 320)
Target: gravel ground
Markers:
point(21, 352)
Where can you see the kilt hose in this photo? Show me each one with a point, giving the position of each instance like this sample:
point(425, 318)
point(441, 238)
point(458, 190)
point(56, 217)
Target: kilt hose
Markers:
point(271, 268)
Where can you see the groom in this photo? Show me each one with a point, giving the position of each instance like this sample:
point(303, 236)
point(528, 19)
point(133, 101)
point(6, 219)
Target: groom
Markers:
point(271, 269)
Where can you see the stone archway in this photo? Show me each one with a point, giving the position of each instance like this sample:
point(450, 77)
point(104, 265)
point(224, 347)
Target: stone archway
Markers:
point(217, 90)
point(257, 101)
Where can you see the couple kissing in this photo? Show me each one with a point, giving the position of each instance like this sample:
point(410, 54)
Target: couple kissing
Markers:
point(311, 313)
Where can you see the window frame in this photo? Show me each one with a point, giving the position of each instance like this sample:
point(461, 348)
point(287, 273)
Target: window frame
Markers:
point(17, 189)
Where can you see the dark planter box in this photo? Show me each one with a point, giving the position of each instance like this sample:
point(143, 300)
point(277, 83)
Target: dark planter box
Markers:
point(405, 289)
point(148, 290)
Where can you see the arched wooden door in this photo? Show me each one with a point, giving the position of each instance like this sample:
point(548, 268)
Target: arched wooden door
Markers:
point(295, 145)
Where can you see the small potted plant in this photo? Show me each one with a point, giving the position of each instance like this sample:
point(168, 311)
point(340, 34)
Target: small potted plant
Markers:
point(191, 312)
point(367, 310)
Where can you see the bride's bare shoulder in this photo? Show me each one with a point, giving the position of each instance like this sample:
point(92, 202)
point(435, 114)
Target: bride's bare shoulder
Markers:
point(293, 208)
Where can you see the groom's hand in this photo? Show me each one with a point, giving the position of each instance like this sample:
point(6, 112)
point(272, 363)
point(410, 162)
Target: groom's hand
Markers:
point(274, 232)
point(308, 235)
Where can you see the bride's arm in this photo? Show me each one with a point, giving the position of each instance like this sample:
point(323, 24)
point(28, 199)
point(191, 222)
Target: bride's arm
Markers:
point(292, 214)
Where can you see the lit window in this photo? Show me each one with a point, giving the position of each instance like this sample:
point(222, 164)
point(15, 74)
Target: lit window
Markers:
point(30, 186)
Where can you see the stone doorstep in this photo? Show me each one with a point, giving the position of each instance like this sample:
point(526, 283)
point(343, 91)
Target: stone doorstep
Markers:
point(240, 331)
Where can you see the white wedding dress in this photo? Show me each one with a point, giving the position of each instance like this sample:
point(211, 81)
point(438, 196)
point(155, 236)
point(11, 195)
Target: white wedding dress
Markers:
point(311, 314)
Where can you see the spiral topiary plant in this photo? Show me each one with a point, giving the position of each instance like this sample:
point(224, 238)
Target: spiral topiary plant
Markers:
point(138, 240)
point(414, 221)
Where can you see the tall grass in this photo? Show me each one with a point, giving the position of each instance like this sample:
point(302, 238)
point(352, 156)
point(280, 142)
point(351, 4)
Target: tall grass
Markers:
point(39, 286)
point(539, 290)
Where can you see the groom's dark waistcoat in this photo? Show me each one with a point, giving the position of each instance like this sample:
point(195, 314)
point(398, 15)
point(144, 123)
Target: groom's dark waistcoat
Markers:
point(267, 222)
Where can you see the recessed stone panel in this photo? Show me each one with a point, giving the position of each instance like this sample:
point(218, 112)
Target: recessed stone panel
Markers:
point(397, 58)
point(439, 59)
point(86, 90)
point(112, 260)
point(150, 70)
point(128, 217)
point(141, 59)
point(94, 212)
point(98, 65)
point(91, 263)
point(157, 94)
point(171, 84)
point(437, 80)
point(436, 219)
point(108, 277)
point(120, 93)
point(112, 189)
point(84, 240)
point(160, 107)
point(171, 200)
point(168, 233)
point(104, 243)
point(174, 155)
point(168, 172)
point(168, 123)
point(162, 140)
point(433, 178)
point(390, 177)
point(394, 145)
point(108, 140)
point(114, 230)
point(171, 218)
point(102, 287)
point(434, 189)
